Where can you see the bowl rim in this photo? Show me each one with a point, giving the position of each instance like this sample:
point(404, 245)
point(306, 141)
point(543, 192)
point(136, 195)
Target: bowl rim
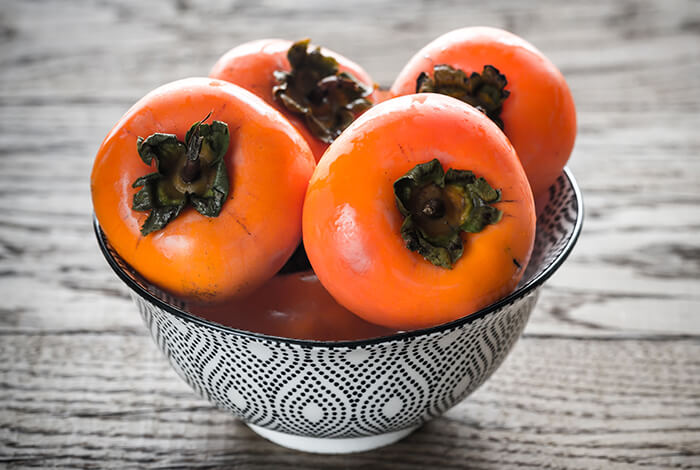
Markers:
point(520, 292)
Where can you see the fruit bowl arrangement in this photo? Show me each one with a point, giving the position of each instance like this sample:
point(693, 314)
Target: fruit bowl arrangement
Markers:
point(346, 396)
point(335, 264)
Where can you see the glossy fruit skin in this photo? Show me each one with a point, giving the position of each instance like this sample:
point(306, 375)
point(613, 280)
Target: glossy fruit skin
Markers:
point(351, 226)
point(198, 258)
point(251, 65)
point(539, 116)
point(293, 306)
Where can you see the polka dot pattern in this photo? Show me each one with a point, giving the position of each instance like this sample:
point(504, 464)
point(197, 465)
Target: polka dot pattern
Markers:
point(361, 389)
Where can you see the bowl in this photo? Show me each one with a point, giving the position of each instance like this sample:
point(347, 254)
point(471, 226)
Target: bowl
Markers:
point(351, 396)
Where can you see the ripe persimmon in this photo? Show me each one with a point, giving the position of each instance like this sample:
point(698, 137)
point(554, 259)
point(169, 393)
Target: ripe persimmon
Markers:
point(318, 90)
point(419, 213)
point(292, 305)
point(512, 82)
point(381, 94)
point(221, 213)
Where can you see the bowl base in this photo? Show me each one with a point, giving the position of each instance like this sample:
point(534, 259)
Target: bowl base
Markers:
point(330, 445)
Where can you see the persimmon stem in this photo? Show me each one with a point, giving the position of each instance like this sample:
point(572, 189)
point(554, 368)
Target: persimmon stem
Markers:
point(192, 169)
point(315, 89)
point(485, 91)
point(438, 206)
point(434, 208)
point(190, 173)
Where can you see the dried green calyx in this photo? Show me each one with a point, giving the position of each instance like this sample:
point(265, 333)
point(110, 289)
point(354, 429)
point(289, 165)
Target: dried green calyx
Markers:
point(438, 206)
point(328, 100)
point(193, 172)
point(485, 91)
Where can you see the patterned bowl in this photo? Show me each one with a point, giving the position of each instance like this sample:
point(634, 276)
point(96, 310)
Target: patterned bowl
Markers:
point(350, 396)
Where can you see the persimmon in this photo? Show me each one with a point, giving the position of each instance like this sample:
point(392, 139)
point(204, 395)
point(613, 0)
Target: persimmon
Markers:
point(512, 82)
point(382, 95)
point(318, 90)
point(419, 213)
point(205, 211)
point(293, 305)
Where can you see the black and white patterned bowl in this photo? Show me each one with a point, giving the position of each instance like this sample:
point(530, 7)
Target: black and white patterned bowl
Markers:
point(351, 396)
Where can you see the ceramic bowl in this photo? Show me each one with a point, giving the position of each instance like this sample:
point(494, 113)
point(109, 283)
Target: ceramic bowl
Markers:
point(350, 396)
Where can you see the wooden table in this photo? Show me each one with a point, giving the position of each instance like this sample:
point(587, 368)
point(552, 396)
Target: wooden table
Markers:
point(607, 373)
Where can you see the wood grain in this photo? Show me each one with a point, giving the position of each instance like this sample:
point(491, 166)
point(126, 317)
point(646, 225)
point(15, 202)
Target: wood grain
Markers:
point(559, 402)
point(607, 373)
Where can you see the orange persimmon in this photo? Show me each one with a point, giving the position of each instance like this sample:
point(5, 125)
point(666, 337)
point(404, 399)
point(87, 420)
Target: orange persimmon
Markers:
point(292, 305)
point(382, 95)
point(259, 65)
point(535, 109)
point(414, 156)
point(263, 166)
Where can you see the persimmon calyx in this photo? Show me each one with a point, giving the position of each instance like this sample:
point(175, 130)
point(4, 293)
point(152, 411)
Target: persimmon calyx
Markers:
point(328, 100)
point(438, 206)
point(485, 91)
point(191, 172)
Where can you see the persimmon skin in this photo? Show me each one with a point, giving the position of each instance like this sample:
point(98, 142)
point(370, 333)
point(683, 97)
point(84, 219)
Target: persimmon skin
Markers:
point(292, 306)
point(539, 116)
point(251, 65)
point(382, 95)
point(198, 258)
point(351, 225)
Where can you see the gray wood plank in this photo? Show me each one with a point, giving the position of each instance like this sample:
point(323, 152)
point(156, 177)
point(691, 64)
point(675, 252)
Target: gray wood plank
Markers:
point(559, 403)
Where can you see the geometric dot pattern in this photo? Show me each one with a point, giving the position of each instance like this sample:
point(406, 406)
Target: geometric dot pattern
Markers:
point(325, 391)
point(362, 388)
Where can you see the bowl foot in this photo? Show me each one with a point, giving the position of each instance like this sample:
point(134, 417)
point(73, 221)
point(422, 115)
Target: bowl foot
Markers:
point(321, 445)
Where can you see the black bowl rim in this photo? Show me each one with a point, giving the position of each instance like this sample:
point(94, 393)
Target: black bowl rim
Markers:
point(521, 292)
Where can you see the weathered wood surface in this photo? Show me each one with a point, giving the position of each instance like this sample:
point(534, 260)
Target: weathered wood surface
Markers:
point(556, 402)
point(607, 374)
